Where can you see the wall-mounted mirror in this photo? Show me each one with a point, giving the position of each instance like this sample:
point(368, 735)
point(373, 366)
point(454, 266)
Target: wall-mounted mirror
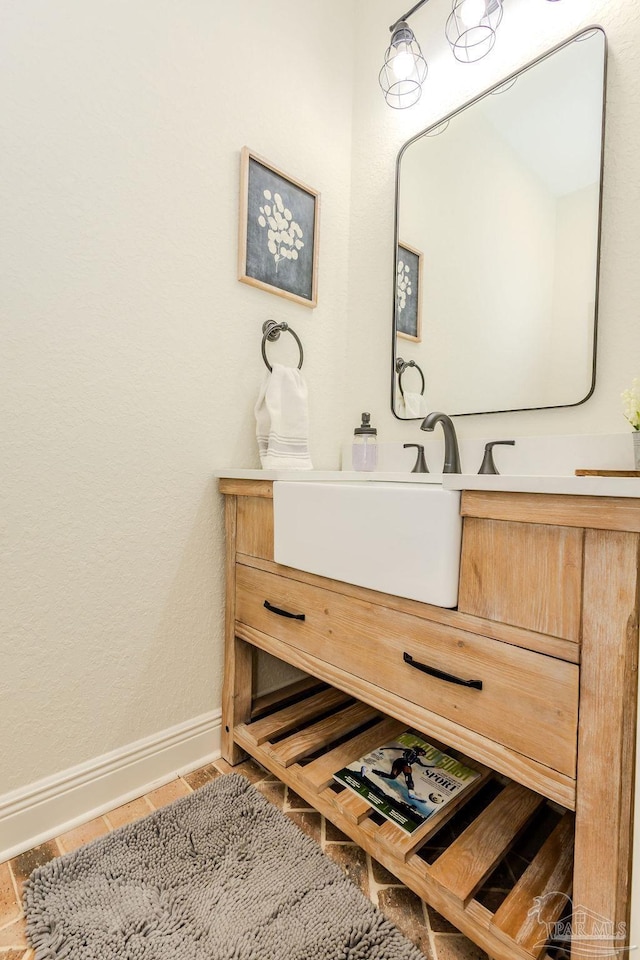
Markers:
point(497, 240)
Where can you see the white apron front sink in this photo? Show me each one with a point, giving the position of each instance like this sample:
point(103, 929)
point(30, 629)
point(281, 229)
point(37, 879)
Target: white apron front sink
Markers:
point(400, 538)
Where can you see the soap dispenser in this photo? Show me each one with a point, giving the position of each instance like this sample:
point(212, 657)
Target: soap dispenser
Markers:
point(364, 455)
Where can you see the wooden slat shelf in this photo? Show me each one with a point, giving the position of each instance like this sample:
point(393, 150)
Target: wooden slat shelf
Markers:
point(275, 725)
point(318, 774)
point(474, 855)
point(405, 844)
point(277, 699)
point(321, 734)
point(452, 881)
point(548, 876)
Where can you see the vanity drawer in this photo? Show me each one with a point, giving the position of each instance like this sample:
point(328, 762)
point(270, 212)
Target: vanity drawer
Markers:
point(528, 702)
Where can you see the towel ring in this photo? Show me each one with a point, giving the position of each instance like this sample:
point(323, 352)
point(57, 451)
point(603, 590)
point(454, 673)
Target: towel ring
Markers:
point(271, 331)
point(401, 366)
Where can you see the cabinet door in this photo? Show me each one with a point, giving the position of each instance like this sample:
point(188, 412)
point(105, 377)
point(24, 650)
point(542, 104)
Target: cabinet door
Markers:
point(254, 535)
point(525, 574)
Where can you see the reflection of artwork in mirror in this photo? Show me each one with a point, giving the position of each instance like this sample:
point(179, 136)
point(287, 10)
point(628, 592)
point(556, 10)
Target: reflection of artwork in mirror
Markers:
point(504, 200)
point(278, 242)
point(409, 293)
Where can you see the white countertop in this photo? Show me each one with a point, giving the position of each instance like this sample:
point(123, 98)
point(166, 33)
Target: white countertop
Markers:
point(581, 486)
point(329, 476)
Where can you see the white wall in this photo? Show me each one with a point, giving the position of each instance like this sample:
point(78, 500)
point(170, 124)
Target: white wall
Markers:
point(529, 28)
point(130, 353)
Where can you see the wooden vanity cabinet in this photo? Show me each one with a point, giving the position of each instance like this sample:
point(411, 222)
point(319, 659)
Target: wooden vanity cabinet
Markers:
point(547, 620)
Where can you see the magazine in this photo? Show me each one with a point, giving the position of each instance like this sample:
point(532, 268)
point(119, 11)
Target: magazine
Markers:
point(407, 780)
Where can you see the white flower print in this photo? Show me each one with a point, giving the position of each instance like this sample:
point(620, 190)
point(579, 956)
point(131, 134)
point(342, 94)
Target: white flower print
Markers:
point(403, 285)
point(284, 236)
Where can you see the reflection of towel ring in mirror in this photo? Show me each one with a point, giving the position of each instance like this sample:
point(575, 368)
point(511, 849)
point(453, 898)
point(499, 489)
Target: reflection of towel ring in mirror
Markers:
point(271, 331)
point(401, 366)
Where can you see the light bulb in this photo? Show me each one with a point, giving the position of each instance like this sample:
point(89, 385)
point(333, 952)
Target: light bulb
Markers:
point(472, 12)
point(403, 65)
point(404, 69)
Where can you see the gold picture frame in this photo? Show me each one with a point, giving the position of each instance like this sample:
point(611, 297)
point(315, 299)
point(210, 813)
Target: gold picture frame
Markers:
point(279, 228)
point(409, 265)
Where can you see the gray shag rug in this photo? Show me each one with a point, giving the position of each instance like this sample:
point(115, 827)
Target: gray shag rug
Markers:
point(218, 875)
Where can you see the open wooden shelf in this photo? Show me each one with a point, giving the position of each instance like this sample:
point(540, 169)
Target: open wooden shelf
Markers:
point(315, 730)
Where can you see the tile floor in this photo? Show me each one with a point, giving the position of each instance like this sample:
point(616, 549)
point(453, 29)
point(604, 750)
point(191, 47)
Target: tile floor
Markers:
point(431, 933)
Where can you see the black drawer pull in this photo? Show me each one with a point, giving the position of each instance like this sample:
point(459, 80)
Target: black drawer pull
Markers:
point(284, 613)
point(449, 677)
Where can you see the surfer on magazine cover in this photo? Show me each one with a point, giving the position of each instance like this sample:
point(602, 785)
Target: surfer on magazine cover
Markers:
point(403, 764)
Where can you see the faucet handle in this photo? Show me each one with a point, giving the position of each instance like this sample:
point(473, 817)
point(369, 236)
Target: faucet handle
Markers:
point(421, 463)
point(488, 465)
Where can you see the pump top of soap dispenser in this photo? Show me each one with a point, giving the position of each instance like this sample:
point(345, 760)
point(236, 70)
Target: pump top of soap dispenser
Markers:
point(365, 427)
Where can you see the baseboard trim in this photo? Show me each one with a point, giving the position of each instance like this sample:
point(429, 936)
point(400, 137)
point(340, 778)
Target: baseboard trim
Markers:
point(49, 807)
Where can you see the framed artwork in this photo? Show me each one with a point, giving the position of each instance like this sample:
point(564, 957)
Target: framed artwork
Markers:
point(409, 293)
point(279, 229)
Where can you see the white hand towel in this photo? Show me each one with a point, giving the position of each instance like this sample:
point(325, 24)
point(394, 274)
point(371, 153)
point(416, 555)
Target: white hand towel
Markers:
point(414, 405)
point(282, 420)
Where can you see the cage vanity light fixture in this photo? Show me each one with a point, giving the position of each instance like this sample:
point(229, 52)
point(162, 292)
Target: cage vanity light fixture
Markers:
point(404, 69)
point(470, 29)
